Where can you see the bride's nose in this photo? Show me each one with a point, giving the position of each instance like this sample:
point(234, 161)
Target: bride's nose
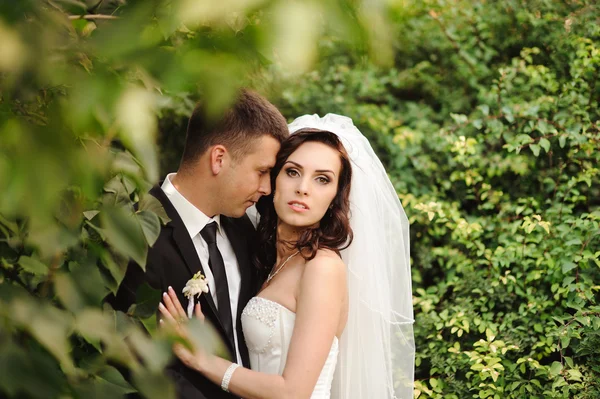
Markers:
point(302, 188)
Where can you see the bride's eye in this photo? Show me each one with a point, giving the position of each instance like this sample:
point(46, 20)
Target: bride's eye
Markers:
point(323, 179)
point(292, 172)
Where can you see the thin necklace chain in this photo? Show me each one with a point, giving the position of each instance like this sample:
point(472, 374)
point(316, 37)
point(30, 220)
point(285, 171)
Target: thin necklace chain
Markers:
point(271, 275)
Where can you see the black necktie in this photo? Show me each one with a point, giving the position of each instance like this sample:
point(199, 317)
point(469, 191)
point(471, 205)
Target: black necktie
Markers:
point(217, 266)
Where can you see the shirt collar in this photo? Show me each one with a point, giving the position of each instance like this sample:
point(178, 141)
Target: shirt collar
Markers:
point(193, 218)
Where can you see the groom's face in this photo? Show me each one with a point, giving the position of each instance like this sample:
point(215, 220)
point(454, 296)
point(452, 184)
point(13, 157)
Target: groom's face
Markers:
point(248, 178)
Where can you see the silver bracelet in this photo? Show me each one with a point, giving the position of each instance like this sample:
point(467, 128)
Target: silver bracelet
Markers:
point(227, 376)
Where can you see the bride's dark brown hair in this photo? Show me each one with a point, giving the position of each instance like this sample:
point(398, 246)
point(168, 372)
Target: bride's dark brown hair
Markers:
point(333, 232)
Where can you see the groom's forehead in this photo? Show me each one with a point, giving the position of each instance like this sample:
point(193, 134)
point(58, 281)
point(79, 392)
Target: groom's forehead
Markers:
point(265, 151)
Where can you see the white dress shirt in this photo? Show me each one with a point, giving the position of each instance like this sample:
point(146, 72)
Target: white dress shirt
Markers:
point(253, 215)
point(195, 220)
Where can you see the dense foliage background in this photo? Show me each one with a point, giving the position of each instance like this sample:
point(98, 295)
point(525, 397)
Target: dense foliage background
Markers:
point(82, 86)
point(489, 125)
point(486, 115)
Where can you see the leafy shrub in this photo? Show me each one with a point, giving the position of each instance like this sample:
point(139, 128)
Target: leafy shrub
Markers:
point(82, 83)
point(489, 126)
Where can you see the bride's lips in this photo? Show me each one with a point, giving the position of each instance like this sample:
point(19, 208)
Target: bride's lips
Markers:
point(298, 206)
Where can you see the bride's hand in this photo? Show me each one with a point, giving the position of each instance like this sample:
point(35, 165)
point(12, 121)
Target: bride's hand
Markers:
point(171, 308)
point(174, 315)
point(198, 358)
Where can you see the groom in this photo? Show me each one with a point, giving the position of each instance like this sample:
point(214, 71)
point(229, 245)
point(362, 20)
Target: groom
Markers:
point(224, 170)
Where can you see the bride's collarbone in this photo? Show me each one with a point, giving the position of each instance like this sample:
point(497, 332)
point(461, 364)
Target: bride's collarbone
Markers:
point(284, 288)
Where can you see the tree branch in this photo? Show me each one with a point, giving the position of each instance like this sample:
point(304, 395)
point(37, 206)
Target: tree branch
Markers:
point(454, 43)
point(93, 16)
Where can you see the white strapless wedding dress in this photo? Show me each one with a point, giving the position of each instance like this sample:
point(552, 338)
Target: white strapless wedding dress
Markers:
point(268, 328)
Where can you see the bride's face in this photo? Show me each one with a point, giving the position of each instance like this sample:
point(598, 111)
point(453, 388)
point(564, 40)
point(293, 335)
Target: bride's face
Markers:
point(307, 184)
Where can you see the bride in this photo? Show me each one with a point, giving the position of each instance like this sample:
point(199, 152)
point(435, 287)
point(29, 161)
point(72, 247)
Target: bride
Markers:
point(334, 316)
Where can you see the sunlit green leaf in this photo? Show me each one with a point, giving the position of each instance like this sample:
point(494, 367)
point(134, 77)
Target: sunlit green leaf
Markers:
point(68, 293)
point(150, 203)
point(138, 121)
point(545, 144)
point(33, 265)
point(155, 353)
point(154, 385)
point(146, 301)
point(124, 233)
point(32, 372)
point(113, 377)
point(568, 266)
point(49, 326)
point(150, 224)
point(555, 368)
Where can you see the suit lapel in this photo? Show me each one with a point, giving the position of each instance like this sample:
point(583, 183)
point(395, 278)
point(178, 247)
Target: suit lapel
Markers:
point(183, 242)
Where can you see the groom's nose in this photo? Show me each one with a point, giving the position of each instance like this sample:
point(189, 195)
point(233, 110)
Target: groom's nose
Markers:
point(264, 187)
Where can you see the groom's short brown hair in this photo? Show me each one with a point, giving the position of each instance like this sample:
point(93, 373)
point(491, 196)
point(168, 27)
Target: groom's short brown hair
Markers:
point(250, 117)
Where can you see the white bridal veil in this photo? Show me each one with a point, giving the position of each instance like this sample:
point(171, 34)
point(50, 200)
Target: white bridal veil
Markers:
point(377, 348)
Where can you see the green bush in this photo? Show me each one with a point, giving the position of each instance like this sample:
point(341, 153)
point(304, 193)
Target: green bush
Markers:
point(82, 86)
point(488, 123)
point(489, 126)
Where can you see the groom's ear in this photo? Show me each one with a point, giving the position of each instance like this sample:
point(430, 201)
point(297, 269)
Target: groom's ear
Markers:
point(218, 158)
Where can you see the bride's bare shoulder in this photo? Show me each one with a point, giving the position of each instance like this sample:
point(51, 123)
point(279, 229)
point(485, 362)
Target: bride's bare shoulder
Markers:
point(325, 264)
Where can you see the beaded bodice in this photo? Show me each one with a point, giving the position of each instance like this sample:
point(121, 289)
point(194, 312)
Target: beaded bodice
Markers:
point(268, 328)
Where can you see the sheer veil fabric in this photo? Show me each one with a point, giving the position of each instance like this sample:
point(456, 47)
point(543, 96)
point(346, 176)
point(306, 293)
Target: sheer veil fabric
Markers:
point(377, 348)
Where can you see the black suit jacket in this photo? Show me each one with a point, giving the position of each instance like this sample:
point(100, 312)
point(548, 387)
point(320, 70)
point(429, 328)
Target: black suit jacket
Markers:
point(172, 261)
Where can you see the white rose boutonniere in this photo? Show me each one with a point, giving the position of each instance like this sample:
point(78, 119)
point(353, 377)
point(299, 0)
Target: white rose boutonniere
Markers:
point(194, 287)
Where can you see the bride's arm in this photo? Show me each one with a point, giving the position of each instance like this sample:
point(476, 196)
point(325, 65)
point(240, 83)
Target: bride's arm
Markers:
point(318, 311)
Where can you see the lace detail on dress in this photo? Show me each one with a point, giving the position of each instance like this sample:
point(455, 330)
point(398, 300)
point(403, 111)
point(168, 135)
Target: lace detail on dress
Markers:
point(268, 328)
point(266, 312)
